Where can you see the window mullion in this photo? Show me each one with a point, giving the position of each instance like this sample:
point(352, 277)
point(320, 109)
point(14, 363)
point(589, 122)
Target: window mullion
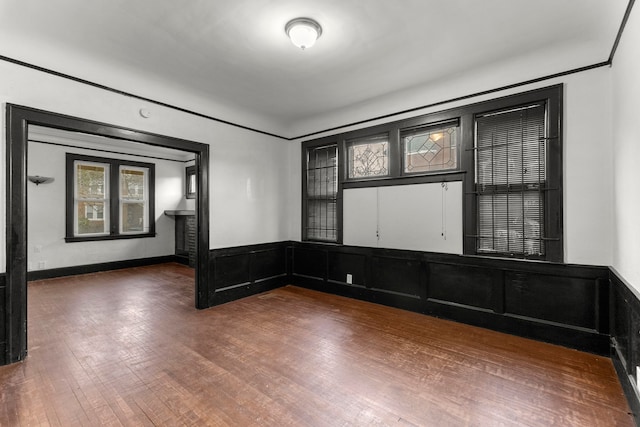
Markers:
point(114, 198)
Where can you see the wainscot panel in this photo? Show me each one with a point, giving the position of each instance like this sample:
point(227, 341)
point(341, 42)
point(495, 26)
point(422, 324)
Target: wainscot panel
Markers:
point(557, 303)
point(246, 270)
point(552, 298)
point(451, 283)
point(3, 308)
point(625, 338)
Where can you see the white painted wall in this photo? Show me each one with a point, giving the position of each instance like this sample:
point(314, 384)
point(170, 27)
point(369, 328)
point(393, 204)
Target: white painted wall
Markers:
point(46, 213)
point(250, 173)
point(588, 160)
point(626, 148)
point(256, 196)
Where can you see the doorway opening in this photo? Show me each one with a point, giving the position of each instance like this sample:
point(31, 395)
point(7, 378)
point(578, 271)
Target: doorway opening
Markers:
point(19, 121)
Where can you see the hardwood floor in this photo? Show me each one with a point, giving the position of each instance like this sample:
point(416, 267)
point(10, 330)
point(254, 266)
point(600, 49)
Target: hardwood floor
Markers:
point(128, 348)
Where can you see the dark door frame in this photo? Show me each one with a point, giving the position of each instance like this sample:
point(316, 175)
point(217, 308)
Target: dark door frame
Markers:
point(18, 119)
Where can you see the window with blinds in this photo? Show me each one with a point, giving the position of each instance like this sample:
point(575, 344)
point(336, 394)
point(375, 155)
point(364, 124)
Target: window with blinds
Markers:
point(511, 174)
point(321, 221)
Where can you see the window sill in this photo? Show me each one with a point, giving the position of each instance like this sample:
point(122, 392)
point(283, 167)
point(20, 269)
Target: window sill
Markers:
point(74, 239)
point(406, 180)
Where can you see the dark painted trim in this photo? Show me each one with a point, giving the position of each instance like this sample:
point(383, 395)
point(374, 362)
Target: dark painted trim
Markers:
point(95, 268)
point(131, 95)
point(465, 116)
point(625, 381)
point(18, 118)
point(114, 197)
point(406, 180)
point(459, 98)
point(624, 313)
point(608, 62)
point(620, 31)
point(80, 147)
point(188, 172)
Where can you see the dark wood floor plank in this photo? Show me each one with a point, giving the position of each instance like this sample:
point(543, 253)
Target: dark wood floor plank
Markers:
point(127, 348)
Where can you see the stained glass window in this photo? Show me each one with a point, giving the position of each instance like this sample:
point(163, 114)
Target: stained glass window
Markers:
point(430, 149)
point(368, 157)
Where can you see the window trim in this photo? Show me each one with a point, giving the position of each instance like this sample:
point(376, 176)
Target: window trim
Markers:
point(552, 96)
point(431, 126)
point(465, 172)
point(113, 199)
point(189, 172)
point(362, 140)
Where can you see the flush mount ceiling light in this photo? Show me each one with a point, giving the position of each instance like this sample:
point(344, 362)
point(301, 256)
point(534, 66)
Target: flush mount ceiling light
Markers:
point(303, 32)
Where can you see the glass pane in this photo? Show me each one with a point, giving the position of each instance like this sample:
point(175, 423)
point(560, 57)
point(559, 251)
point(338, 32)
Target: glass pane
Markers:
point(192, 183)
point(511, 223)
point(132, 183)
point(511, 148)
point(91, 181)
point(90, 216)
point(321, 220)
point(132, 219)
point(322, 172)
point(510, 177)
point(322, 191)
point(369, 159)
point(429, 150)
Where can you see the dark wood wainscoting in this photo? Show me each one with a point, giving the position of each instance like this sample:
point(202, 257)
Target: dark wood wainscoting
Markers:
point(246, 270)
point(95, 268)
point(3, 313)
point(557, 303)
point(625, 337)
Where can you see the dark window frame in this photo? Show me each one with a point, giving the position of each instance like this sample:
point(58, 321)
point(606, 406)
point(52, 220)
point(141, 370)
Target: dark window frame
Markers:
point(190, 193)
point(306, 148)
point(362, 140)
point(552, 97)
point(114, 198)
point(465, 171)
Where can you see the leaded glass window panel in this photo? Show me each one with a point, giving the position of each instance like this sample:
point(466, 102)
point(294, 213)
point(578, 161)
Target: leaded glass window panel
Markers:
point(430, 149)
point(368, 157)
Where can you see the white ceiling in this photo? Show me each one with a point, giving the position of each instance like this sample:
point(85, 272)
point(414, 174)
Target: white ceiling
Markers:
point(235, 52)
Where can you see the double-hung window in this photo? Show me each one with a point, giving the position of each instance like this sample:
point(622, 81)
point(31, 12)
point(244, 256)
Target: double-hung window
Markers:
point(108, 198)
point(320, 220)
point(517, 182)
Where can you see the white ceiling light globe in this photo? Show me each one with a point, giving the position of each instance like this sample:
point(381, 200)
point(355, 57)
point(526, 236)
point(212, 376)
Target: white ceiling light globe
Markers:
point(303, 32)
